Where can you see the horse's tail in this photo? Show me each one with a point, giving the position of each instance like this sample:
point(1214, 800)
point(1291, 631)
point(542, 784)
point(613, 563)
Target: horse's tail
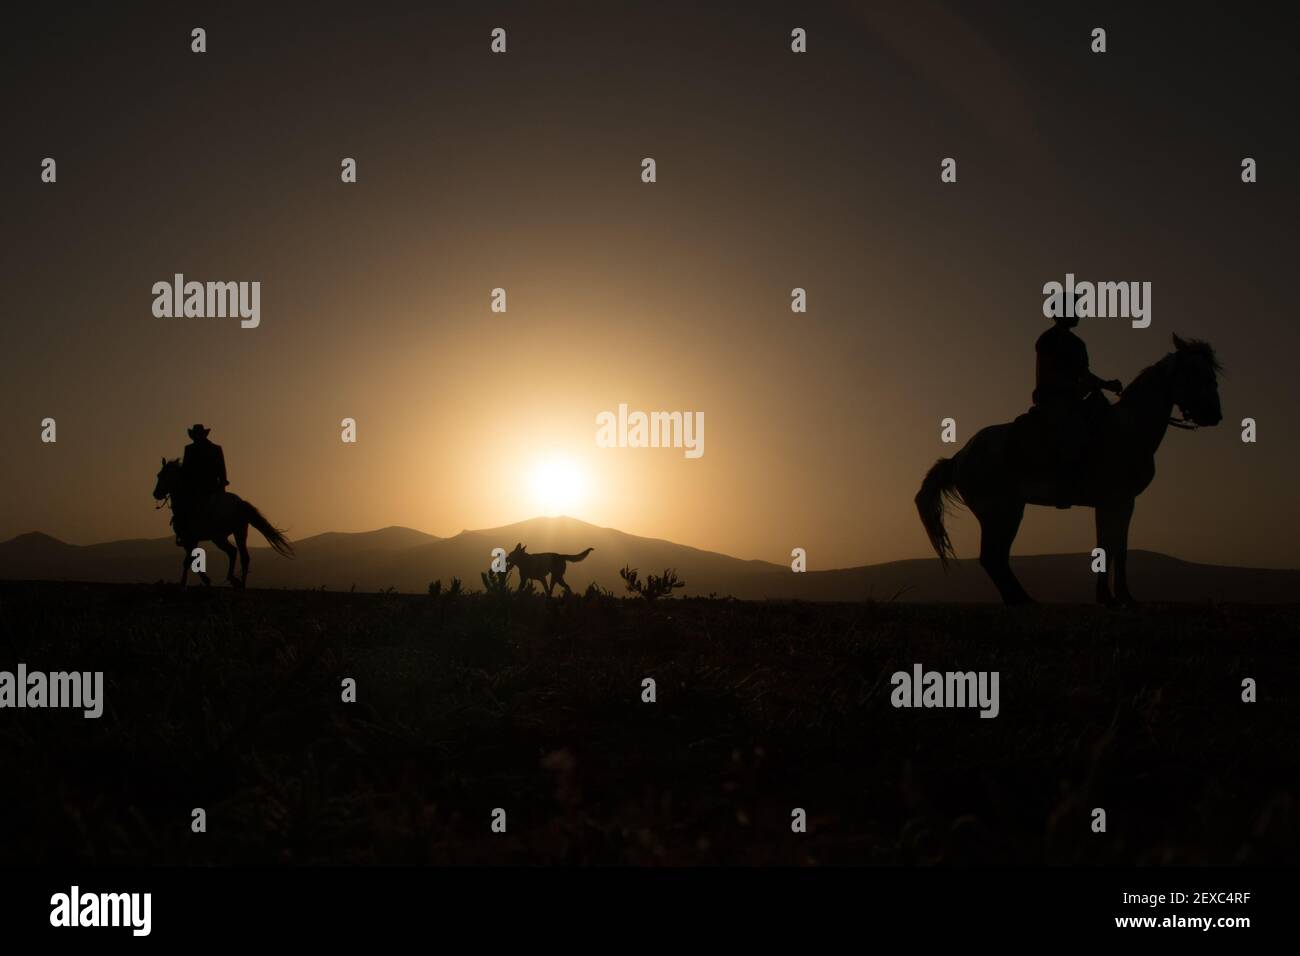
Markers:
point(937, 491)
point(577, 557)
point(274, 536)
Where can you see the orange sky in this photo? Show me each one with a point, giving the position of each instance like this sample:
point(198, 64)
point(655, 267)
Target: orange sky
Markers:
point(522, 172)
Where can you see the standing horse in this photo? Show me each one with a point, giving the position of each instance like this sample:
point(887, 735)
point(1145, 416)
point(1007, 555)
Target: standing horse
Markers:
point(989, 478)
point(214, 518)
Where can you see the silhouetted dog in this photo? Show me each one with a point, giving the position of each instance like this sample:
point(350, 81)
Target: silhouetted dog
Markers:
point(535, 567)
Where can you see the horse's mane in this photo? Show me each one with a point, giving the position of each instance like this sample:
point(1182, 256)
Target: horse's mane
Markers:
point(1194, 346)
point(1204, 349)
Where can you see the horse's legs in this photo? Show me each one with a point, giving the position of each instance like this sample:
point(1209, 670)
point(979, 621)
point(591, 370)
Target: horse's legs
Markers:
point(1112, 524)
point(1100, 516)
point(186, 557)
point(999, 522)
point(241, 539)
point(228, 550)
point(1123, 515)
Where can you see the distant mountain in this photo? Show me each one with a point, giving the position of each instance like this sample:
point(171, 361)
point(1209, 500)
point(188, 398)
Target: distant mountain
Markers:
point(408, 560)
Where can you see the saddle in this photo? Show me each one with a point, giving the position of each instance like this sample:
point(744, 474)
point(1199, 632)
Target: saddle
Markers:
point(183, 521)
point(1051, 446)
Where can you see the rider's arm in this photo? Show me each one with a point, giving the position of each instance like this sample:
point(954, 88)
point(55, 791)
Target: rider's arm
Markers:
point(1094, 382)
point(1090, 382)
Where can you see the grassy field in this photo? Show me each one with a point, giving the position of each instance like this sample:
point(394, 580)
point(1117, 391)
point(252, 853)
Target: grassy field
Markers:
point(231, 702)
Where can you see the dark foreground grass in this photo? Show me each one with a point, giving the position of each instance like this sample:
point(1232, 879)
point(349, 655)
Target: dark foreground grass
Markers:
point(231, 702)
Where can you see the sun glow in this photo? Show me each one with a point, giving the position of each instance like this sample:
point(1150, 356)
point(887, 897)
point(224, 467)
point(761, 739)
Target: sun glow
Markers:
point(558, 486)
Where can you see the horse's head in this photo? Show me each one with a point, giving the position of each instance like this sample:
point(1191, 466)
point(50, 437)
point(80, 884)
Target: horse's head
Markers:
point(168, 479)
point(1194, 372)
point(513, 557)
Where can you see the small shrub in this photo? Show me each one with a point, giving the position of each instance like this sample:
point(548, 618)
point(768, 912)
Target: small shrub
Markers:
point(654, 586)
point(496, 582)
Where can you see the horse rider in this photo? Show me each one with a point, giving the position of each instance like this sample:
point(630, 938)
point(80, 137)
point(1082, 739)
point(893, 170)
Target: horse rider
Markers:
point(203, 473)
point(1063, 386)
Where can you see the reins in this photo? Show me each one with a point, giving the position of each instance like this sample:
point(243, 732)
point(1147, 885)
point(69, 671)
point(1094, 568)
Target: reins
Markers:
point(1184, 423)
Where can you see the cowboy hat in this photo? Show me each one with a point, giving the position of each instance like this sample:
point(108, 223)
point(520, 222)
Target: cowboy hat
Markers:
point(198, 431)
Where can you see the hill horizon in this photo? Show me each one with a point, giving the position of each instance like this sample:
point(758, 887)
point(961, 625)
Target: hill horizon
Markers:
point(407, 560)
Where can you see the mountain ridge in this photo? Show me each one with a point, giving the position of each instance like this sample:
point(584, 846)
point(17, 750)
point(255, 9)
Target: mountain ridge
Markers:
point(408, 560)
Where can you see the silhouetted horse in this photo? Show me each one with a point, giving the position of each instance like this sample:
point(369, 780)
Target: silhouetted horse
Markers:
point(990, 478)
point(214, 518)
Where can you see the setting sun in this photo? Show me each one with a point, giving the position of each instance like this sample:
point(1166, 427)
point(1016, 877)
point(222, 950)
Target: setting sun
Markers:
point(557, 485)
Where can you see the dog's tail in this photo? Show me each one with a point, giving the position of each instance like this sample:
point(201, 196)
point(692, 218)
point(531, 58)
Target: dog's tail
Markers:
point(577, 557)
